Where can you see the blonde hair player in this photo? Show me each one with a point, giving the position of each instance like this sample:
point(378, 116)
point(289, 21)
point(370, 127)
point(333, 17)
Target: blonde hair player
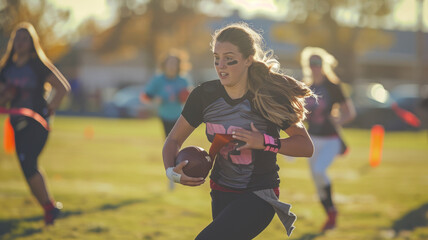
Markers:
point(323, 125)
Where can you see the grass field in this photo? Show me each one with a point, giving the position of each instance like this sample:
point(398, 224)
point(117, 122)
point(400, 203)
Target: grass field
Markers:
point(109, 175)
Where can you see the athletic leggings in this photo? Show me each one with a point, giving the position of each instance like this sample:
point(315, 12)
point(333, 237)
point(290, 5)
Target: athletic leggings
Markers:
point(326, 149)
point(237, 216)
point(30, 138)
point(167, 126)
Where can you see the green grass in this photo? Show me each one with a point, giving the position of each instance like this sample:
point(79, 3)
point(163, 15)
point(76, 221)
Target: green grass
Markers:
point(113, 186)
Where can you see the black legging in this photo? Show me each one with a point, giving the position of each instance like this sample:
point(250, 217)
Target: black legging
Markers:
point(167, 126)
point(30, 138)
point(237, 216)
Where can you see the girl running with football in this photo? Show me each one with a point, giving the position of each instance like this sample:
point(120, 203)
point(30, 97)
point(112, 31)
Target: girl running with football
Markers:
point(252, 101)
point(323, 125)
point(25, 71)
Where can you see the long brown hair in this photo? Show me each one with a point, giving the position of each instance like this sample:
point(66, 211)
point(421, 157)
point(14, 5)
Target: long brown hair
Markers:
point(265, 79)
point(38, 52)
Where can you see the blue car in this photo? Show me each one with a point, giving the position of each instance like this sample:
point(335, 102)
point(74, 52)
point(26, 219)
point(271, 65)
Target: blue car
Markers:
point(126, 104)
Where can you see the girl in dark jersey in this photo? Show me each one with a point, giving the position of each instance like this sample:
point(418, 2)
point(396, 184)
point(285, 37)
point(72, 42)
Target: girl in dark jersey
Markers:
point(252, 101)
point(322, 124)
point(25, 71)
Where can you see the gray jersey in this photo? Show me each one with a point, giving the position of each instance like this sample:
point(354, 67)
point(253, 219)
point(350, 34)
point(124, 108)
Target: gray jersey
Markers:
point(248, 169)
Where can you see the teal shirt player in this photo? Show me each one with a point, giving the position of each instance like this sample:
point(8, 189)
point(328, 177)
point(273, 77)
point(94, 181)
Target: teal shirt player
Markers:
point(168, 90)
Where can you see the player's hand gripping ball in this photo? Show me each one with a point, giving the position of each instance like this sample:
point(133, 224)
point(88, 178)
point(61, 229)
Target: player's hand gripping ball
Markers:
point(199, 162)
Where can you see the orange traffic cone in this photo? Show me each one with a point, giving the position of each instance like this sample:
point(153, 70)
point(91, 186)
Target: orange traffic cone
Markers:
point(9, 137)
point(376, 145)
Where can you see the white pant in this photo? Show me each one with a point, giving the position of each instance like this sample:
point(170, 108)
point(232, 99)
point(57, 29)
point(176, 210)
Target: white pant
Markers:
point(326, 149)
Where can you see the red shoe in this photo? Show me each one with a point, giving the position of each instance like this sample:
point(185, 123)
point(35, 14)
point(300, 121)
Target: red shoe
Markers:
point(52, 214)
point(331, 220)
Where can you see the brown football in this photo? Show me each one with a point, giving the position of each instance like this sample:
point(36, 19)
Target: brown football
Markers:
point(199, 164)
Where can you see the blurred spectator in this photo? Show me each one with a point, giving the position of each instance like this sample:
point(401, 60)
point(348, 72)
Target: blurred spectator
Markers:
point(77, 96)
point(170, 88)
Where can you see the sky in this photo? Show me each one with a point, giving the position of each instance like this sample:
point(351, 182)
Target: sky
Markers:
point(83, 9)
point(103, 11)
point(404, 13)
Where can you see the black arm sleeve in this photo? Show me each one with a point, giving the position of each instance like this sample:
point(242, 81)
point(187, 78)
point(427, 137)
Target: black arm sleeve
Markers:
point(336, 93)
point(193, 108)
point(2, 78)
point(285, 125)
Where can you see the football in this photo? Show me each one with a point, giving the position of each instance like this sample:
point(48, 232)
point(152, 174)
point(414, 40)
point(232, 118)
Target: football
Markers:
point(199, 164)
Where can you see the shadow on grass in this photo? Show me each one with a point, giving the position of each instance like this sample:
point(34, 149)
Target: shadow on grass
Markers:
point(413, 219)
point(310, 236)
point(8, 226)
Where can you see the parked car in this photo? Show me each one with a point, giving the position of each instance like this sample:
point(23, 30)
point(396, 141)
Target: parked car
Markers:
point(126, 104)
point(373, 104)
point(414, 98)
point(407, 95)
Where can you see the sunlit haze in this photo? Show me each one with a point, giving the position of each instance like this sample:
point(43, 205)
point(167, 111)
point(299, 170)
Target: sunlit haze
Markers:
point(404, 16)
point(254, 7)
point(80, 10)
point(378, 93)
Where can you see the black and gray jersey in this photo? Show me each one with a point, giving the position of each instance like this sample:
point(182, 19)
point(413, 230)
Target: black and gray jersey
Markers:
point(248, 169)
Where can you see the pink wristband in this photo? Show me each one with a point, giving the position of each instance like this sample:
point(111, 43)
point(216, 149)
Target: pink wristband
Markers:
point(271, 144)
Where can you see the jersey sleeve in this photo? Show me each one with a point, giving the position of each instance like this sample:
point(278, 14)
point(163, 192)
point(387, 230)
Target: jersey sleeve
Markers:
point(193, 109)
point(336, 92)
point(185, 82)
point(45, 72)
point(42, 71)
point(286, 124)
point(152, 87)
point(2, 78)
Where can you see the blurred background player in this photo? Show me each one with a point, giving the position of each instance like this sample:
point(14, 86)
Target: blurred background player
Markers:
point(170, 88)
point(324, 121)
point(26, 69)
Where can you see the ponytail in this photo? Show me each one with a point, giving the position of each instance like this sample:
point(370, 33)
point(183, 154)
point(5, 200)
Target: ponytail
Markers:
point(267, 86)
